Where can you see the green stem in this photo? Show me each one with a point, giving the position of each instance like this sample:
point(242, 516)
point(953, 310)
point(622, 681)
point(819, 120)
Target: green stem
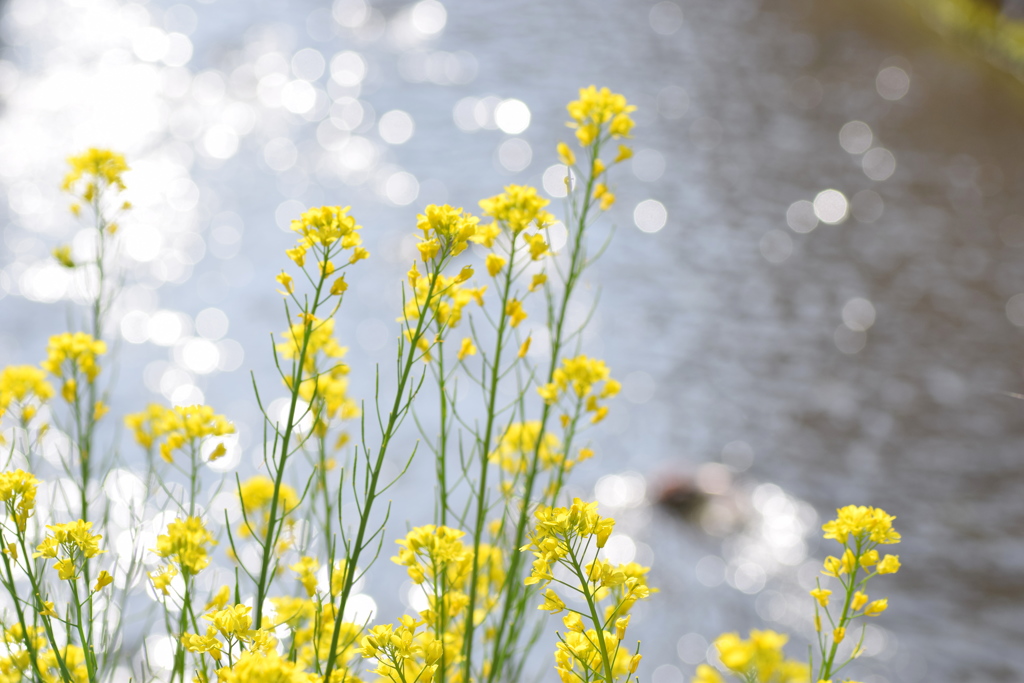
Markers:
point(387, 434)
point(485, 450)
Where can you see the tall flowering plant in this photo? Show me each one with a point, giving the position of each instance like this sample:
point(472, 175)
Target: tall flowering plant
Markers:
point(312, 523)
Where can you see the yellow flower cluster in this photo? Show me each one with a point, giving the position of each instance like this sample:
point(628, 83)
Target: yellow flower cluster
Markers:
point(562, 536)
point(179, 426)
point(582, 374)
point(596, 109)
point(402, 654)
point(517, 445)
point(578, 656)
point(518, 207)
point(22, 385)
point(18, 494)
point(323, 227)
point(327, 230)
point(321, 341)
point(447, 301)
point(760, 659)
point(258, 660)
point(256, 495)
point(99, 168)
point(185, 545)
point(446, 231)
point(558, 531)
point(861, 522)
point(312, 624)
point(266, 667)
point(432, 553)
point(72, 543)
point(16, 664)
point(80, 351)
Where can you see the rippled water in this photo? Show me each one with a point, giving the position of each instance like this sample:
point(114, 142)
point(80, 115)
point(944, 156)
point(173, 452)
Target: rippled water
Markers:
point(815, 294)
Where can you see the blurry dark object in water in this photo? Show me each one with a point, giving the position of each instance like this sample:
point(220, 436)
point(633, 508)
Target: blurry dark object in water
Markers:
point(680, 495)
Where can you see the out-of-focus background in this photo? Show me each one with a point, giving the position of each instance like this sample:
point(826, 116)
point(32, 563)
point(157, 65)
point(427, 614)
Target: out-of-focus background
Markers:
point(814, 296)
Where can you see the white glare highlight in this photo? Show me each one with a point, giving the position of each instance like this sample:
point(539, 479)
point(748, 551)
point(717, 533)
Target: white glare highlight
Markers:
point(650, 215)
point(830, 206)
point(512, 116)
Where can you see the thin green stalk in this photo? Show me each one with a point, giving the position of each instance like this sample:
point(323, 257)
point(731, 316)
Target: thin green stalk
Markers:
point(511, 590)
point(270, 540)
point(485, 450)
point(371, 492)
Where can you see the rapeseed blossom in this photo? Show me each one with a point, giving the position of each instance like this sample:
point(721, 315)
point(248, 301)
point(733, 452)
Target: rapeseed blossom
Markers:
point(70, 544)
point(517, 445)
point(760, 658)
point(432, 553)
point(25, 386)
point(861, 522)
point(186, 545)
point(180, 427)
point(94, 171)
point(256, 495)
point(596, 109)
point(324, 227)
point(519, 207)
point(18, 494)
point(588, 379)
point(446, 231)
point(71, 354)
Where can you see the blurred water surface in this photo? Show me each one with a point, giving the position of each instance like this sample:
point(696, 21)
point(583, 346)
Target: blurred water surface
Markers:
point(814, 295)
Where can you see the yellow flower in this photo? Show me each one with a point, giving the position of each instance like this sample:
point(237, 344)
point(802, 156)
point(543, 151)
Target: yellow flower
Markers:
point(494, 264)
point(821, 595)
point(63, 256)
point(207, 643)
point(859, 600)
point(838, 634)
point(73, 538)
point(467, 348)
point(565, 154)
point(552, 603)
point(890, 564)
point(23, 384)
point(517, 444)
point(876, 607)
point(538, 246)
point(621, 624)
point(233, 621)
point(181, 427)
point(100, 168)
point(537, 280)
point(624, 153)
point(518, 208)
point(65, 569)
point(79, 349)
point(446, 230)
point(220, 598)
point(162, 579)
point(862, 522)
point(306, 569)
point(596, 109)
point(431, 551)
point(47, 610)
point(514, 310)
point(102, 581)
point(325, 226)
point(185, 544)
point(256, 496)
point(286, 281)
point(339, 287)
point(524, 348)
